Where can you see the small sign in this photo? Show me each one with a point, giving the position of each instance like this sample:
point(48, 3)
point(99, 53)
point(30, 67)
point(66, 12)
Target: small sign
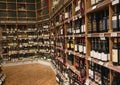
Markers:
point(89, 35)
point(113, 34)
point(114, 2)
point(101, 63)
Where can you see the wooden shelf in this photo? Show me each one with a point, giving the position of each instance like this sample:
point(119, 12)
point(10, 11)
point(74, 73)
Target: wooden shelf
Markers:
point(99, 6)
point(112, 34)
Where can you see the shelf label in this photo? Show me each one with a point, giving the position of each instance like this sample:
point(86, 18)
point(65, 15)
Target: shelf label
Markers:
point(102, 38)
point(114, 2)
point(101, 35)
point(113, 34)
point(101, 63)
point(89, 58)
point(94, 7)
point(89, 35)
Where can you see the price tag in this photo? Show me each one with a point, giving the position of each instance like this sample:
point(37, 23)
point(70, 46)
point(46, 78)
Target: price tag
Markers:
point(89, 35)
point(113, 34)
point(101, 35)
point(114, 2)
point(94, 7)
point(102, 38)
point(89, 58)
point(101, 63)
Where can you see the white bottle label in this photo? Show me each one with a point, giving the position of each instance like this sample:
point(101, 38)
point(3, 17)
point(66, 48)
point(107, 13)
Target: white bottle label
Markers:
point(99, 55)
point(66, 15)
point(75, 47)
point(104, 57)
point(91, 53)
point(114, 18)
point(80, 48)
point(78, 31)
point(114, 55)
point(84, 49)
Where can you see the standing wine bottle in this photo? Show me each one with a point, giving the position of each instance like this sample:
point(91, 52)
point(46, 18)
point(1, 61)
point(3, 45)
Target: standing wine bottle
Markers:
point(100, 21)
point(99, 49)
point(105, 76)
point(115, 19)
point(115, 55)
point(105, 53)
point(94, 23)
point(90, 24)
point(105, 21)
point(116, 78)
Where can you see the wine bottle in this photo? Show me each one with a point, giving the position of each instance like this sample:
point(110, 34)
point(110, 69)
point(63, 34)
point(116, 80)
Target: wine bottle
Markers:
point(83, 26)
point(72, 45)
point(115, 56)
point(84, 47)
point(105, 76)
point(90, 24)
point(105, 50)
point(94, 23)
point(100, 21)
point(105, 21)
point(116, 78)
point(99, 49)
point(115, 19)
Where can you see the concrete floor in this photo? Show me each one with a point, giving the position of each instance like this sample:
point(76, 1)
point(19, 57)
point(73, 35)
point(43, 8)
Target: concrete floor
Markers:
point(29, 74)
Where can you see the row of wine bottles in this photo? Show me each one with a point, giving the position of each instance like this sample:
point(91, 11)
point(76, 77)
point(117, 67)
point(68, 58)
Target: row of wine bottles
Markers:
point(99, 74)
point(100, 49)
point(70, 75)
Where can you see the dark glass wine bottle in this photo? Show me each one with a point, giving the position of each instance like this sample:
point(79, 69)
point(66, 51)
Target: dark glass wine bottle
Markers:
point(94, 23)
point(116, 78)
point(115, 56)
point(115, 19)
point(90, 24)
point(105, 76)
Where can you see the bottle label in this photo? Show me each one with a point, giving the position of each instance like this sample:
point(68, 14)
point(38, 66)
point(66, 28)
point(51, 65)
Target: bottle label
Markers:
point(91, 53)
point(114, 22)
point(84, 49)
point(104, 57)
point(99, 55)
point(115, 55)
point(78, 31)
point(75, 47)
point(68, 45)
point(66, 15)
point(80, 48)
point(94, 26)
point(72, 45)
